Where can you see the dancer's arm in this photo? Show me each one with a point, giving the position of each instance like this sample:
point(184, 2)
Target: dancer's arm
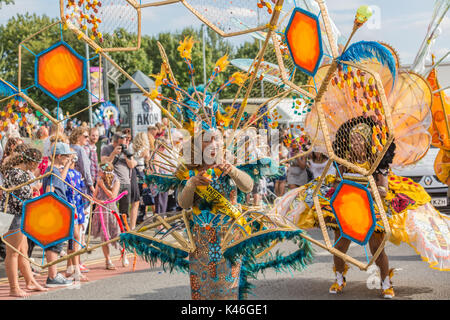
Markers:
point(382, 183)
point(186, 193)
point(243, 181)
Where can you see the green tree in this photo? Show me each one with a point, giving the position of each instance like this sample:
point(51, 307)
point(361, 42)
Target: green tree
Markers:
point(20, 27)
point(214, 49)
point(6, 2)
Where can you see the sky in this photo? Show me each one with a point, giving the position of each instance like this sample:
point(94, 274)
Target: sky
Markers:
point(400, 23)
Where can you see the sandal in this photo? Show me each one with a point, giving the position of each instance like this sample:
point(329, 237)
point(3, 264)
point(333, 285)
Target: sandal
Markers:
point(336, 287)
point(125, 261)
point(80, 277)
point(110, 265)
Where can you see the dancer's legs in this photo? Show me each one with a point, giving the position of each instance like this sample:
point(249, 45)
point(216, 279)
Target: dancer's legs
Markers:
point(382, 261)
point(342, 245)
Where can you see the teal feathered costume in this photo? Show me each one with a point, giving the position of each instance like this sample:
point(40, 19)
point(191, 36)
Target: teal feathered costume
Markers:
point(219, 268)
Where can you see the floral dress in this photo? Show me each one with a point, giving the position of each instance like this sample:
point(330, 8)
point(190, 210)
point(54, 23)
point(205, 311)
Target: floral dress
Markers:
point(14, 177)
point(110, 223)
point(74, 197)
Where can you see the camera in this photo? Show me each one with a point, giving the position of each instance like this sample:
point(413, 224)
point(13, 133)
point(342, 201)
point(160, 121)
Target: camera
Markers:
point(126, 152)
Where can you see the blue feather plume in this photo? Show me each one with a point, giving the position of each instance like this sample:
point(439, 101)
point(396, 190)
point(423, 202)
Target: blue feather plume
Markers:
point(6, 90)
point(164, 182)
point(188, 114)
point(154, 251)
point(370, 50)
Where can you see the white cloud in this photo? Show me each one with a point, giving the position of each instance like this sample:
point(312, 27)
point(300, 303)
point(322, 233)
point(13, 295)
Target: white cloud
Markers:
point(32, 6)
point(340, 5)
point(403, 22)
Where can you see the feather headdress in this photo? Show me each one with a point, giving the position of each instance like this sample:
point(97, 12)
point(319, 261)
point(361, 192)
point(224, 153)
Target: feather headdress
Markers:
point(366, 50)
point(199, 107)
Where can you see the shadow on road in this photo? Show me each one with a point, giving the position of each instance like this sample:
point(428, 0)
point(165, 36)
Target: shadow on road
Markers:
point(296, 289)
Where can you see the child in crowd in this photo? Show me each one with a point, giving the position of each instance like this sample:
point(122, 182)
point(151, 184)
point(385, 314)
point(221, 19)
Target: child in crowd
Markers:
point(104, 224)
point(74, 197)
point(62, 162)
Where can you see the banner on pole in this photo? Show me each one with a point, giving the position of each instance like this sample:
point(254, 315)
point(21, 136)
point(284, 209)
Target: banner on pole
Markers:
point(96, 84)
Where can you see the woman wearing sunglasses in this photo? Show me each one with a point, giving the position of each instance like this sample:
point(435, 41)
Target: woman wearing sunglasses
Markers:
point(78, 139)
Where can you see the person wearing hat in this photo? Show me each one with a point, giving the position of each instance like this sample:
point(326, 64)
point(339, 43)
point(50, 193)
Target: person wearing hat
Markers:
point(62, 161)
point(123, 164)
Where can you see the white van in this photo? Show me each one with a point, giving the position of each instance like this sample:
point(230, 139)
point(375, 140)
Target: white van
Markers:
point(423, 174)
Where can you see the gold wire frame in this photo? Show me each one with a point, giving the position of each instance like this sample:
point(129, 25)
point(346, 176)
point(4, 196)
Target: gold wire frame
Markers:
point(58, 124)
point(387, 117)
point(322, 225)
point(225, 34)
point(158, 3)
point(136, 6)
point(271, 27)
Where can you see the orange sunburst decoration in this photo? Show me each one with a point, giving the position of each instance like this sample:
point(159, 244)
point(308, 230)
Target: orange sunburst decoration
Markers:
point(47, 220)
point(60, 71)
point(352, 205)
point(304, 41)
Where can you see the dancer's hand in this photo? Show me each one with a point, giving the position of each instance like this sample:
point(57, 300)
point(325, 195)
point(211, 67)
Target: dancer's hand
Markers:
point(225, 168)
point(199, 179)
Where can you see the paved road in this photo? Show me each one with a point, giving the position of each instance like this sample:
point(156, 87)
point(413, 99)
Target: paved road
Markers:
point(415, 280)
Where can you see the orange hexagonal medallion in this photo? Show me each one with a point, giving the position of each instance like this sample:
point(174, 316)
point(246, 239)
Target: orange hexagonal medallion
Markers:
point(47, 220)
point(304, 40)
point(353, 207)
point(60, 71)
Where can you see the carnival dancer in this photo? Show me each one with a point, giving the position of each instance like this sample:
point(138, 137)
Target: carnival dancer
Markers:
point(217, 241)
point(358, 134)
point(226, 179)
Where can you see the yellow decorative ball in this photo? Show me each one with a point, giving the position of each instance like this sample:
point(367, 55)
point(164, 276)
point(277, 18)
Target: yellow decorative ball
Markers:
point(363, 13)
